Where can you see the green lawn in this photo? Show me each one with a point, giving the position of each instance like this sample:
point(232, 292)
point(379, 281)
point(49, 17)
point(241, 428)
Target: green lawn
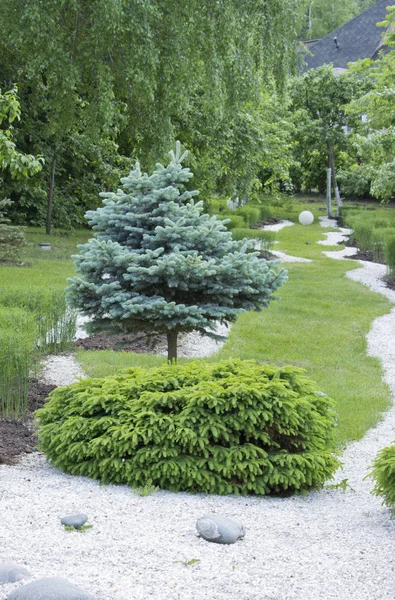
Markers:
point(320, 324)
point(44, 268)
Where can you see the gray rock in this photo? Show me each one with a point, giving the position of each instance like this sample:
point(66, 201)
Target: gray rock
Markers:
point(50, 588)
point(11, 572)
point(74, 520)
point(220, 530)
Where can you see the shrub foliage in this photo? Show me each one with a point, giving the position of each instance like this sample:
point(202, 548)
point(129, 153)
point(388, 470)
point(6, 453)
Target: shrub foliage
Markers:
point(228, 427)
point(383, 473)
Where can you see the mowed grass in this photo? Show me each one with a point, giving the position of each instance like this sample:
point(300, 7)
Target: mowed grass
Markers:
point(320, 323)
point(44, 268)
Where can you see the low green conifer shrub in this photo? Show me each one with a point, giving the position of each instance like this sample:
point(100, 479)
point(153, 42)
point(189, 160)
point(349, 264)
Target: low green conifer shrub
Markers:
point(383, 473)
point(233, 427)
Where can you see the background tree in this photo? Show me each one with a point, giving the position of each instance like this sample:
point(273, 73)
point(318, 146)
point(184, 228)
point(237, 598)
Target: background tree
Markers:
point(158, 264)
point(317, 18)
point(251, 149)
point(125, 72)
point(318, 100)
point(17, 165)
point(374, 134)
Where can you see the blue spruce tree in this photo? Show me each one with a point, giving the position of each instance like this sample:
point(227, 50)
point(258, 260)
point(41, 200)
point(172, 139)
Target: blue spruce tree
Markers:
point(157, 264)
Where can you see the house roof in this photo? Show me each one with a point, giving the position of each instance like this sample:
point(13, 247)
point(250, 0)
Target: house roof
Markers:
point(359, 38)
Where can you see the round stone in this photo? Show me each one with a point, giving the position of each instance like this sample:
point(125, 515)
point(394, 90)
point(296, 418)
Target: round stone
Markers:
point(11, 572)
point(50, 588)
point(220, 530)
point(74, 520)
point(306, 217)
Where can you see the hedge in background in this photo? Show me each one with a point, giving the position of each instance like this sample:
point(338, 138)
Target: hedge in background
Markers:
point(56, 324)
point(265, 238)
point(383, 473)
point(232, 427)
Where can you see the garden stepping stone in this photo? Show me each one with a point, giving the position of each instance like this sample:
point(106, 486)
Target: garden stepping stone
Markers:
point(11, 572)
point(74, 520)
point(50, 588)
point(220, 530)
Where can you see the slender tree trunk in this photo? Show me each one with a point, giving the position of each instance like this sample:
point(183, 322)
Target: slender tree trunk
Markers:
point(51, 188)
point(245, 197)
point(339, 202)
point(329, 192)
point(172, 346)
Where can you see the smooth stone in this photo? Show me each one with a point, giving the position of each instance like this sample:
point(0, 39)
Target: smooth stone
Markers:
point(74, 520)
point(11, 572)
point(50, 588)
point(220, 530)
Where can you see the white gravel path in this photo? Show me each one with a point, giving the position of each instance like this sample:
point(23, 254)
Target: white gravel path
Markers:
point(325, 546)
point(283, 255)
point(288, 258)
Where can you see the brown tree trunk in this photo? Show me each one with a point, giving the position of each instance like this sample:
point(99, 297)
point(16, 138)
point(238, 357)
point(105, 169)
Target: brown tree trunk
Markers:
point(339, 202)
point(172, 346)
point(51, 188)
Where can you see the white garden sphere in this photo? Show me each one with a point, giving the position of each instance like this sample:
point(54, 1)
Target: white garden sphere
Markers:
point(306, 217)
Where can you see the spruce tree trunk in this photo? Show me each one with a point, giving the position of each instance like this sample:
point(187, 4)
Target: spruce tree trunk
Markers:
point(172, 346)
point(51, 188)
point(339, 202)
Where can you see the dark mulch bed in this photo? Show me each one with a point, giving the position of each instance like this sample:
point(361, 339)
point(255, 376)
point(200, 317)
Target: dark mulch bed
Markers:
point(368, 256)
point(269, 221)
point(390, 282)
point(141, 343)
point(17, 437)
point(15, 263)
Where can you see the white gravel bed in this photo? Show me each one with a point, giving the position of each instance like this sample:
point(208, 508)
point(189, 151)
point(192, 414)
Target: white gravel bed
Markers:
point(288, 257)
point(327, 545)
point(195, 345)
point(340, 254)
point(61, 369)
point(335, 237)
point(278, 226)
point(283, 255)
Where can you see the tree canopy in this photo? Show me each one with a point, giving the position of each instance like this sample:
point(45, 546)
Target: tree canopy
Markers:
point(123, 74)
point(318, 100)
point(317, 18)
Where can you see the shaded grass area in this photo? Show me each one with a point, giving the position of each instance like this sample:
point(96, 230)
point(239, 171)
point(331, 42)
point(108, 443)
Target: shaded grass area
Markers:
point(102, 363)
point(63, 244)
point(319, 324)
point(44, 268)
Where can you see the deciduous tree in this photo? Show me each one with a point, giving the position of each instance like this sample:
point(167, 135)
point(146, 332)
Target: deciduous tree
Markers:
point(319, 97)
point(126, 71)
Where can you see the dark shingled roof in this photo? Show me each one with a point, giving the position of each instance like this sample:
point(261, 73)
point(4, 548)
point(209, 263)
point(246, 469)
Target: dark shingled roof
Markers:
point(359, 38)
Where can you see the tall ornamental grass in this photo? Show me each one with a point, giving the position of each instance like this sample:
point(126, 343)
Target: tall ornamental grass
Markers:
point(390, 255)
point(18, 337)
point(55, 323)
